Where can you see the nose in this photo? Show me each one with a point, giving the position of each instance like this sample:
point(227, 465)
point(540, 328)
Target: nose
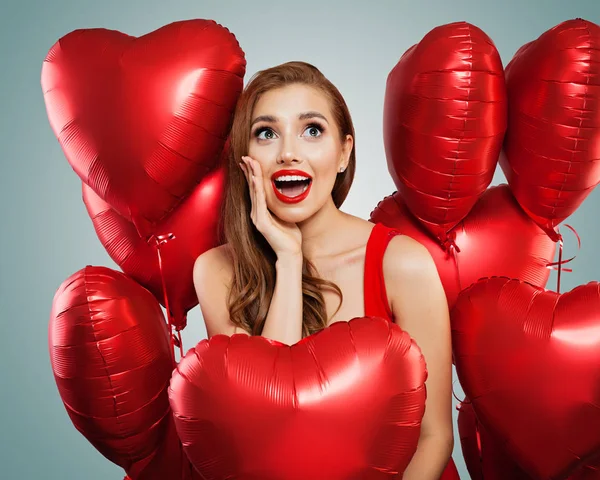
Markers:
point(287, 158)
point(288, 153)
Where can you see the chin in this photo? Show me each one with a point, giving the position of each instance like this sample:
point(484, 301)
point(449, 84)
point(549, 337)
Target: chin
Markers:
point(292, 214)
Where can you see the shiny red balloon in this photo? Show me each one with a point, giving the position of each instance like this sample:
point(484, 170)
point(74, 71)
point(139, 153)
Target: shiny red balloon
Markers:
point(143, 120)
point(496, 238)
point(528, 359)
point(486, 460)
point(552, 147)
point(195, 225)
point(346, 402)
point(470, 440)
point(444, 122)
point(111, 360)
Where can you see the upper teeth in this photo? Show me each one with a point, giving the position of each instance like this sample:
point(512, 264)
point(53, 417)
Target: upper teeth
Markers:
point(289, 178)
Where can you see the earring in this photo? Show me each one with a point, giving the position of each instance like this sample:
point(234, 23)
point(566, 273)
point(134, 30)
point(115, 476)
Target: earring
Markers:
point(341, 169)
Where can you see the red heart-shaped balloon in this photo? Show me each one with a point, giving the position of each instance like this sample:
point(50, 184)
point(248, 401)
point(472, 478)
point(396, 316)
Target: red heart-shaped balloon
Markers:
point(143, 120)
point(444, 122)
point(486, 460)
point(110, 354)
point(496, 238)
point(344, 403)
point(195, 226)
point(529, 360)
point(552, 146)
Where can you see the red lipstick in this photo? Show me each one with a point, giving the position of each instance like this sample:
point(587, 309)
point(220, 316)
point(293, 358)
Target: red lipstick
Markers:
point(285, 198)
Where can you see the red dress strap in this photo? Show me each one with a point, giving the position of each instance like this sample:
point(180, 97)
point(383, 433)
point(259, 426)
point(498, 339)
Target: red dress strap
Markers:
point(376, 299)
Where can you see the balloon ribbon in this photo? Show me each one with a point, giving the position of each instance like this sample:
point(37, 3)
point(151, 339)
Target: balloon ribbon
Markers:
point(558, 265)
point(160, 240)
point(450, 247)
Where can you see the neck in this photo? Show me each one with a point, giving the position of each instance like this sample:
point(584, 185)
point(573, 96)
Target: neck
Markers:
point(320, 231)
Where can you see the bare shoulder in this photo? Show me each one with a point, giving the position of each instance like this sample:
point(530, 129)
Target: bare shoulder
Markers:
point(405, 255)
point(213, 272)
point(412, 278)
point(215, 261)
point(409, 270)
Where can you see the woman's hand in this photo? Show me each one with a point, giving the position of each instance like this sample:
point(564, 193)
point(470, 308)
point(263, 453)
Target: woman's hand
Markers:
point(285, 238)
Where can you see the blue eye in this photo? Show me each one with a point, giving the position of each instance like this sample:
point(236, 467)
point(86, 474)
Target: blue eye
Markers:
point(315, 126)
point(270, 134)
point(262, 130)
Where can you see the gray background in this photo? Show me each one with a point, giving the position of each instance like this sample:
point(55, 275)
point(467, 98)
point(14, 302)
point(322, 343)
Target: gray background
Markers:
point(47, 235)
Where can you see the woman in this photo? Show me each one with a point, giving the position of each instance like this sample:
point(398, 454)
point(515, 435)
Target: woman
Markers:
point(291, 254)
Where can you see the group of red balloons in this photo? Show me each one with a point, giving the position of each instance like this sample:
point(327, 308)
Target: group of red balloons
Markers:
point(528, 359)
point(144, 124)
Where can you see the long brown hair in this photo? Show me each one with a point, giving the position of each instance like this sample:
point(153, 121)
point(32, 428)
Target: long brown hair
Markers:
point(253, 258)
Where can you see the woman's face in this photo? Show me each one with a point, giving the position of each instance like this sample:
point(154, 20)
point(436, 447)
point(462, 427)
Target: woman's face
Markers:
point(293, 129)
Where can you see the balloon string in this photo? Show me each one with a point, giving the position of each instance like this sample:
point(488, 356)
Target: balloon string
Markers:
point(559, 265)
point(173, 341)
point(179, 343)
point(455, 251)
point(450, 246)
point(460, 402)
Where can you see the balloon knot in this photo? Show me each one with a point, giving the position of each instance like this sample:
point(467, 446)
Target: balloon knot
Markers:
point(449, 243)
point(160, 239)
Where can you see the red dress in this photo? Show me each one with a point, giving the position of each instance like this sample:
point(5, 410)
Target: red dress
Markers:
point(376, 301)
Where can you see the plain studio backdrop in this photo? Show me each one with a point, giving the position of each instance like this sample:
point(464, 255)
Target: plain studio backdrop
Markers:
point(47, 234)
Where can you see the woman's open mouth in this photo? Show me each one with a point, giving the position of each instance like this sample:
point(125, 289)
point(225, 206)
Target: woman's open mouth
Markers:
point(291, 188)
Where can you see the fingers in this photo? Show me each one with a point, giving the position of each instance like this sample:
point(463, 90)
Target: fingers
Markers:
point(243, 167)
point(246, 169)
point(260, 213)
point(250, 176)
point(261, 201)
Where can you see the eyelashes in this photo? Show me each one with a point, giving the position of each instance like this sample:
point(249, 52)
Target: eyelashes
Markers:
point(260, 130)
point(316, 125)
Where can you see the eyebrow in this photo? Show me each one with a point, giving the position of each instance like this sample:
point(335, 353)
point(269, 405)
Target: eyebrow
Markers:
point(302, 116)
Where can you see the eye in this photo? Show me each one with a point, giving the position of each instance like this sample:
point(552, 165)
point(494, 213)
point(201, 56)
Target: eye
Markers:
point(312, 127)
point(259, 131)
point(315, 130)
